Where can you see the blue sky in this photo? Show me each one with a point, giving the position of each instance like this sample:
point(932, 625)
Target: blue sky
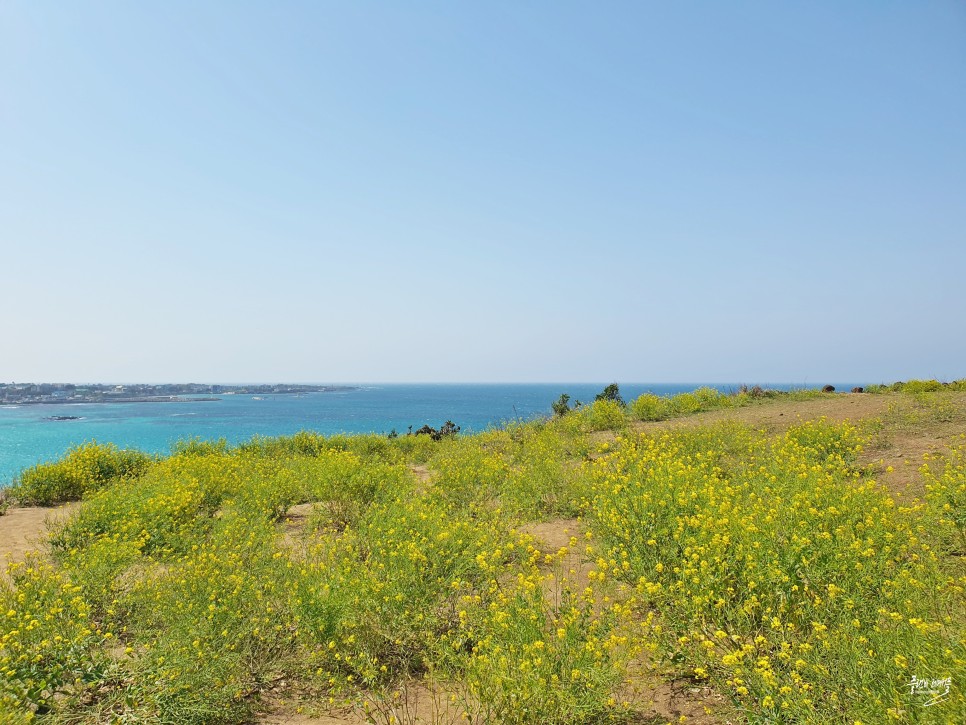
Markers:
point(500, 191)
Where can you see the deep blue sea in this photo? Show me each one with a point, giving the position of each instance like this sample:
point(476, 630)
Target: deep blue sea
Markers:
point(27, 436)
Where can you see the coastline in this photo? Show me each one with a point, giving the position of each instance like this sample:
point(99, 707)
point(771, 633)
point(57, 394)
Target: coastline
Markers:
point(71, 394)
point(97, 401)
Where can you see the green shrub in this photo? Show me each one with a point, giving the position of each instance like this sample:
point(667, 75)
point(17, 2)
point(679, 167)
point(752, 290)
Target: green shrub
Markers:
point(413, 448)
point(710, 398)
point(303, 443)
point(83, 469)
point(801, 394)
point(918, 386)
point(739, 399)
point(651, 407)
point(687, 404)
point(605, 415)
point(199, 447)
point(921, 386)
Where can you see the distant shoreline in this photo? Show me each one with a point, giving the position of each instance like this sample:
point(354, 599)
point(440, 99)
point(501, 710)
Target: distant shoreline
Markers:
point(69, 394)
point(95, 401)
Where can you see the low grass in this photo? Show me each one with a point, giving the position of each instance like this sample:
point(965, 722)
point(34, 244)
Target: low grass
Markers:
point(768, 567)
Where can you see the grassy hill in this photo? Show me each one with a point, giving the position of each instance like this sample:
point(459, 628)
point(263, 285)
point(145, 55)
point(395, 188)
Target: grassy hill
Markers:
point(750, 558)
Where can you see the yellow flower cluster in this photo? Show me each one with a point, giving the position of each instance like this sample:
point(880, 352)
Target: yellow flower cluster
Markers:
point(780, 572)
point(83, 469)
point(48, 638)
point(946, 493)
point(535, 658)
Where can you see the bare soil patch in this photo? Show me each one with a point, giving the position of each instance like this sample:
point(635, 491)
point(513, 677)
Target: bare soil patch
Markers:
point(412, 703)
point(915, 428)
point(778, 414)
point(24, 529)
point(297, 719)
point(551, 536)
point(422, 472)
point(293, 524)
point(661, 700)
point(567, 571)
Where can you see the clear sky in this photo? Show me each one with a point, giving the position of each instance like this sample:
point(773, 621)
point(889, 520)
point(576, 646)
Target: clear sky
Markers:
point(491, 191)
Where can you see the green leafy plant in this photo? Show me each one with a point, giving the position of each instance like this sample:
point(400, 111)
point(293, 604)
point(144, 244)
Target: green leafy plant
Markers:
point(83, 469)
point(561, 406)
point(448, 429)
point(605, 414)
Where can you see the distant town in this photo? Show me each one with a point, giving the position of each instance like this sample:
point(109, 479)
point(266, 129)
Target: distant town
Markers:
point(40, 393)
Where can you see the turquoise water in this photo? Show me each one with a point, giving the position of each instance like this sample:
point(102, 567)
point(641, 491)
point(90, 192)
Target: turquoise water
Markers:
point(27, 437)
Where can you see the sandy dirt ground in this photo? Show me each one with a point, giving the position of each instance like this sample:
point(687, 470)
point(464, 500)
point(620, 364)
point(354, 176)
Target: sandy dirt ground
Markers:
point(25, 529)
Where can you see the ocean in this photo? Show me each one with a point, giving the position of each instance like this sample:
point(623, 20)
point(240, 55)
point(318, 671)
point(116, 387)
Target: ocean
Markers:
point(29, 436)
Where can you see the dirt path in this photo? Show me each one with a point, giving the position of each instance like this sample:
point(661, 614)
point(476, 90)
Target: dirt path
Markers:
point(25, 529)
point(569, 570)
point(779, 414)
point(417, 704)
point(285, 719)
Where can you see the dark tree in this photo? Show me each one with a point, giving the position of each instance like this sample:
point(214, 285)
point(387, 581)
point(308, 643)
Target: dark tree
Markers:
point(562, 406)
point(449, 428)
point(611, 392)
